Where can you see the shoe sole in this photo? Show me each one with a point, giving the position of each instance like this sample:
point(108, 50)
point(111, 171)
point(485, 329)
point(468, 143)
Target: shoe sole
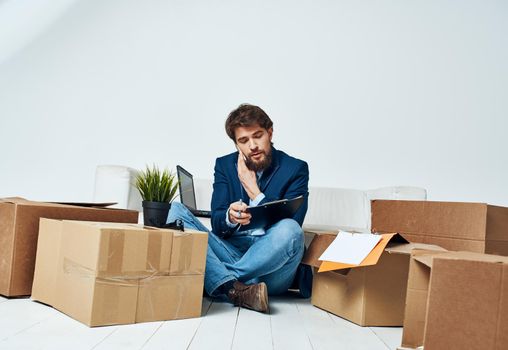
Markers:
point(263, 305)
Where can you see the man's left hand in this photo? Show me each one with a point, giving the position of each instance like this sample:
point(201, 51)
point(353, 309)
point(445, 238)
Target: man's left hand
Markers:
point(247, 178)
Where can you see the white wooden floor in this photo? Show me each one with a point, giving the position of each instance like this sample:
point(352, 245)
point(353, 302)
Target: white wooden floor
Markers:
point(292, 324)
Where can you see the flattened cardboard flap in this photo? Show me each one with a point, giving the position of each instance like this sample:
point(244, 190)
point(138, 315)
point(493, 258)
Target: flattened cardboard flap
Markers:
point(20, 200)
point(407, 248)
point(426, 257)
point(470, 256)
point(23, 201)
point(14, 200)
point(88, 204)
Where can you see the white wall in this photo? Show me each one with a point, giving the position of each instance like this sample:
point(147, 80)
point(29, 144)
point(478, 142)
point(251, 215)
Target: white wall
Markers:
point(370, 93)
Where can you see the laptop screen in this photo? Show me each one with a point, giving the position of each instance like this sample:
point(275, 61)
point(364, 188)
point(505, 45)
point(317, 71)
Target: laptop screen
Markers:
point(186, 186)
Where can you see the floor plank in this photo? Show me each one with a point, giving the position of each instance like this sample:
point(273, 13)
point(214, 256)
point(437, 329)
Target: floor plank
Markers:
point(288, 331)
point(2, 299)
point(217, 329)
point(253, 331)
point(176, 334)
point(132, 336)
point(58, 332)
point(137, 336)
point(292, 324)
point(391, 336)
point(328, 331)
point(320, 328)
point(20, 314)
point(357, 337)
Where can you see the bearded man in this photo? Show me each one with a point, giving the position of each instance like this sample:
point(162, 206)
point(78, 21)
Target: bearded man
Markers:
point(246, 266)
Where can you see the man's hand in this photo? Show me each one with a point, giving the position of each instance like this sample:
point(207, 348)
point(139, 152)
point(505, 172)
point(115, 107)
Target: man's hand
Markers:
point(237, 214)
point(247, 178)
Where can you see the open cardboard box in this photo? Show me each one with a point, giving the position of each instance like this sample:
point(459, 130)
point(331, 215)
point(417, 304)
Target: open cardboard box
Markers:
point(113, 273)
point(475, 227)
point(372, 294)
point(19, 228)
point(456, 300)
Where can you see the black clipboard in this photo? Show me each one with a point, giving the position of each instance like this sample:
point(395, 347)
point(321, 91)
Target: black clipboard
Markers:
point(269, 213)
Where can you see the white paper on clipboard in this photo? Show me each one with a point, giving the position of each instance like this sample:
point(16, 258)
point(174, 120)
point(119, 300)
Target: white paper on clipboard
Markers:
point(350, 248)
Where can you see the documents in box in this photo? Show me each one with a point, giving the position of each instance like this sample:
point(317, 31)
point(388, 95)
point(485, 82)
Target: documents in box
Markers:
point(369, 294)
point(456, 300)
point(111, 273)
point(19, 227)
point(475, 227)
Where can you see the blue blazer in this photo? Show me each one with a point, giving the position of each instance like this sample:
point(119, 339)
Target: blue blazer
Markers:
point(285, 178)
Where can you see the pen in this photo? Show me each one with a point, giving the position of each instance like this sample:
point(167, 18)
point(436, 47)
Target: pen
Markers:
point(239, 213)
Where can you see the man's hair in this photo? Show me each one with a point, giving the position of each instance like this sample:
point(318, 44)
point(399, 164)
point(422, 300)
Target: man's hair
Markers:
point(246, 115)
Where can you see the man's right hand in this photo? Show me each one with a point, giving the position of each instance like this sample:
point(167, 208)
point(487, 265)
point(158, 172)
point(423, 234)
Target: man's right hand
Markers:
point(237, 213)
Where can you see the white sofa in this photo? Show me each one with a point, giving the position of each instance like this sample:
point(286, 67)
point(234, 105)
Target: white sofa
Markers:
point(329, 208)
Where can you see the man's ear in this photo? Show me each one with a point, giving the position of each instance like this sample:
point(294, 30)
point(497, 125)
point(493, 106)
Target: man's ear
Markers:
point(270, 133)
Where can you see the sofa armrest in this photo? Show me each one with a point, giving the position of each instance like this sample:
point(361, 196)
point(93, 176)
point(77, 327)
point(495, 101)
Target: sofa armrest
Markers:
point(203, 189)
point(115, 183)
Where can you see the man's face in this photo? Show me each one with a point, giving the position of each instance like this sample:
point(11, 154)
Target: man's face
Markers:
point(255, 143)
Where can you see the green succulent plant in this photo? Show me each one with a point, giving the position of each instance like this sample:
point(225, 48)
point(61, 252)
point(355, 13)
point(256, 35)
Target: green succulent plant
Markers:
point(157, 186)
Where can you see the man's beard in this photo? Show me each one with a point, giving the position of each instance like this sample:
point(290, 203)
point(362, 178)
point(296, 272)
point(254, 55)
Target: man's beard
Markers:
point(262, 164)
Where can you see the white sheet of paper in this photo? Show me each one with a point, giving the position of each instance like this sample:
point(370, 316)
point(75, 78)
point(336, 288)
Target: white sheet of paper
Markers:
point(350, 248)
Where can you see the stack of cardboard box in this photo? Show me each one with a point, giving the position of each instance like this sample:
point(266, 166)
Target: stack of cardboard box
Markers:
point(453, 300)
point(97, 265)
point(107, 273)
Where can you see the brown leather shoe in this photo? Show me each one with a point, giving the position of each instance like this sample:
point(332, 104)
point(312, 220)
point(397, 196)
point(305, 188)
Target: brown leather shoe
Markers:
point(253, 296)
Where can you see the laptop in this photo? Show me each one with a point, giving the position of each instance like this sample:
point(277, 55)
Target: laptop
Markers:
point(188, 194)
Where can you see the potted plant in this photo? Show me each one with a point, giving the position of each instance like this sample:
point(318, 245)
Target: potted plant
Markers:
point(157, 189)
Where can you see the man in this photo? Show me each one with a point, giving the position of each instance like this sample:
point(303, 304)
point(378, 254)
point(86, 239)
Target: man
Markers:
point(246, 266)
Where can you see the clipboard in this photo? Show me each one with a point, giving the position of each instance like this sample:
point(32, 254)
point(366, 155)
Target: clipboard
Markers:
point(269, 213)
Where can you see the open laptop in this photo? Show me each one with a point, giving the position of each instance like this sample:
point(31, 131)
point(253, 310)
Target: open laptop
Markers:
point(188, 194)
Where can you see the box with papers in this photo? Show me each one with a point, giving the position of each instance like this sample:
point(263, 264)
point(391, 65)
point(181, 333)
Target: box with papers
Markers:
point(364, 276)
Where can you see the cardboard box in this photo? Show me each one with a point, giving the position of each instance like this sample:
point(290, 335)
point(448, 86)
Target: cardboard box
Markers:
point(475, 227)
point(19, 227)
point(366, 295)
point(456, 300)
point(111, 273)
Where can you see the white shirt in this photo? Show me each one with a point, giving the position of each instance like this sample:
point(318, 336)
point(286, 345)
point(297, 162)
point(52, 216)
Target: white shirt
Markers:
point(252, 203)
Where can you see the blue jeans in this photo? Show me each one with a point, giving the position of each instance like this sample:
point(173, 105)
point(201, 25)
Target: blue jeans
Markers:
point(271, 258)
